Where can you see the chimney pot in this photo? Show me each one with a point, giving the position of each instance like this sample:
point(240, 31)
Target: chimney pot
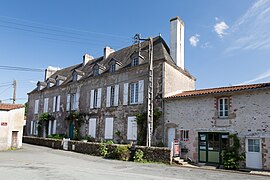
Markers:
point(177, 28)
point(107, 52)
point(87, 58)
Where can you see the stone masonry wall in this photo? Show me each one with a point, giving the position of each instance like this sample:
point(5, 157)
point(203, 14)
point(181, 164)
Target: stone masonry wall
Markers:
point(249, 116)
point(155, 154)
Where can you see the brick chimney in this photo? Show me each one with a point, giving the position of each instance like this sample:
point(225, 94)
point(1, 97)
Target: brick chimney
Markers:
point(177, 28)
point(87, 58)
point(107, 52)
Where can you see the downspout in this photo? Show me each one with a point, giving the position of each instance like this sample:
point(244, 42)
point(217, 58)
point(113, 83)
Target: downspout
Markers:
point(162, 103)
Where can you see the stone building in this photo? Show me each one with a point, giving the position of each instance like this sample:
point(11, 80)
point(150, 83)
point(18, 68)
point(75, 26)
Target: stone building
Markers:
point(110, 90)
point(11, 125)
point(203, 119)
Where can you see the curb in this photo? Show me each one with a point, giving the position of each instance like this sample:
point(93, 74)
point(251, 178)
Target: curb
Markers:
point(224, 170)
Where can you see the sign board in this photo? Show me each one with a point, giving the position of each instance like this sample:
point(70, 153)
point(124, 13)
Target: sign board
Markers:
point(176, 148)
point(4, 123)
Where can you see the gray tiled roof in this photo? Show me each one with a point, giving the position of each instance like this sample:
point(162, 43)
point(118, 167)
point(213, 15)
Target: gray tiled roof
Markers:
point(123, 56)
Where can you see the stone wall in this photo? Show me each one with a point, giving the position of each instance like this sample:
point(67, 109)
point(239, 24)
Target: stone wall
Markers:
point(52, 143)
point(154, 154)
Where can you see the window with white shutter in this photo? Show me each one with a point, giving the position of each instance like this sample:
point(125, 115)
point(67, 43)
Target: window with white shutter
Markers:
point(132, 128)
point(46, 104)
point(92, 127)
point(54, 127)
point(116, 95)
point(125, 94)
point(95, 98)
point(68, 102)
point(36, 106)
point(54, 103)
point(134, 93)
point(50, 128)
point(108, 97)
point(77, 98)
point(73, 101)
point(108, 128)
point(92, 98)
point(58, 103)
point(141, 92)
point(99, 98)
point(31, 127)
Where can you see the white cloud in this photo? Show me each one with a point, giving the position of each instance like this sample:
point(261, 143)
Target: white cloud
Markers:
point(258, 78)
point(32, 81)
point(206, 45)
point(194, 40)
point(251, 31)
point(220, 28)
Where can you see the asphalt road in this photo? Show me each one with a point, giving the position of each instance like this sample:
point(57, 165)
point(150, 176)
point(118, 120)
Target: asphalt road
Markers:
point(35, 162)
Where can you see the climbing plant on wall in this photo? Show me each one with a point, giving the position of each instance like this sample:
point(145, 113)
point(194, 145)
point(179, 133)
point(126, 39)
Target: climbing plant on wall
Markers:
point(44, 119)
point(141, 119)
point(232, 156)
point(77, 119)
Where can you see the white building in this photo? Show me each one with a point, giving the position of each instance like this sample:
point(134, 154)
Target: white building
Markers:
point(203, 119)
point(11, 126)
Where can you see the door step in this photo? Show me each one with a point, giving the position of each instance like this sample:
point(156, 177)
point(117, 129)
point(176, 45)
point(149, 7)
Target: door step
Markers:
point(179, 161)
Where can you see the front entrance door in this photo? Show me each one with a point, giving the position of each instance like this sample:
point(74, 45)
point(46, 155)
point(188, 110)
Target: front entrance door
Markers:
point(14, 143)
point(171, 136)
point(211, 145)
point(253, 153)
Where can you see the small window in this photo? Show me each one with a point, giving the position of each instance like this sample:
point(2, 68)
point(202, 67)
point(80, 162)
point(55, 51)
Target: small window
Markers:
point(223, 107)
point(134, 93)
point(253, 145)
point(95, 98)
point(135, 61)
point(112, 67)
point(184, 135)
point(112, 95)
point(96, 71)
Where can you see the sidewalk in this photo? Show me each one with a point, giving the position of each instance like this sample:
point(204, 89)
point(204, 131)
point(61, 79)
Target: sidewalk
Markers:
point(241, 171)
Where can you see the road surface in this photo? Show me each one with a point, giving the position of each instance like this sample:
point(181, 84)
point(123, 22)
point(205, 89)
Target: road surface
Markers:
point(36, 162)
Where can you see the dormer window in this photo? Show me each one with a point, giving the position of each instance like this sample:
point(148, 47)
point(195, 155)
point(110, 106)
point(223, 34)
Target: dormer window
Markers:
point(50, 82)
point(98, 69)
point(135, 61)
point(41, 85)
point(112, 67)
point(77, 75)
point(59, 80)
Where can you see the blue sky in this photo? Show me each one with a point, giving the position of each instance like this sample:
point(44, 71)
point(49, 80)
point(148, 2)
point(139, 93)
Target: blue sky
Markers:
point(227, 42)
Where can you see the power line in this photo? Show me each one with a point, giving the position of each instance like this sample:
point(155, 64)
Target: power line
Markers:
point(70, 29)
point(14, 68)
point(5, 90)
point(5, 85)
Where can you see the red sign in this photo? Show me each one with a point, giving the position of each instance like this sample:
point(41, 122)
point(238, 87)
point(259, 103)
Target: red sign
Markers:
point(3, 123)
point(176, 147)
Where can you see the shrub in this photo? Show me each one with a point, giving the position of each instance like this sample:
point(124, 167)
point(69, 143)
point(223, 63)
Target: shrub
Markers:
point(103, 149)
point(138, 157)
point(121, 152)
point(231, 156)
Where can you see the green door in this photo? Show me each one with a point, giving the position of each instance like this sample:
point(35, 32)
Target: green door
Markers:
point(71, 130)
point(211, 145)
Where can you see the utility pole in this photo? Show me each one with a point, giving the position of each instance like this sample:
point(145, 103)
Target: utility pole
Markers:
point(14, 91)
point(150, 106)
